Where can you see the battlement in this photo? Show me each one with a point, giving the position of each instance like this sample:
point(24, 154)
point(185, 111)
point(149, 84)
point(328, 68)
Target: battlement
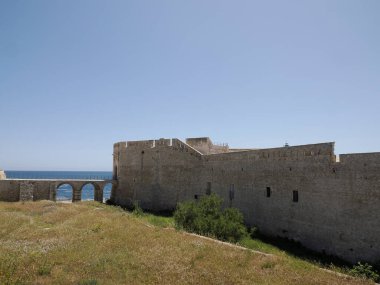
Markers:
point(199, 141)
point(186, 147)
point(140, 144)
point(174, 144)
point(321, 151)
point(144, 143)
point(360, 158)
point(205, 145)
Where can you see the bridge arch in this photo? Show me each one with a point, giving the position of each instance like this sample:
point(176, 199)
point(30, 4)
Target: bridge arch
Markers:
point(97, 191)
point(108, 190)
point(74, 189)
point(87, 191)
point(64, 191)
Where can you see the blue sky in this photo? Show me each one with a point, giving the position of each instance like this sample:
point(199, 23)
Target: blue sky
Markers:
point(77, 76)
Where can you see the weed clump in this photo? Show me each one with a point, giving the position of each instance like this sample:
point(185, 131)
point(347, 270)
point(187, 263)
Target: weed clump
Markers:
point(137, 211)
point(207, 217)
point(365, 270)
point(44, 269)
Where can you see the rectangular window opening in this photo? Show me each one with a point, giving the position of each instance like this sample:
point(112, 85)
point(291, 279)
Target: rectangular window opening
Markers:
point(295, 196)
point(268, 192)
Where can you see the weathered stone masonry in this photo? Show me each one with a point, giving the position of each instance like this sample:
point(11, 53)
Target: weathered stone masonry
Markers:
point(300, 192)
point(13, 190)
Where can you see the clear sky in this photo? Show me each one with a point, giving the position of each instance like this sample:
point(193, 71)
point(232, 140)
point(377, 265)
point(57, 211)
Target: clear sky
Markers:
point(77, 76)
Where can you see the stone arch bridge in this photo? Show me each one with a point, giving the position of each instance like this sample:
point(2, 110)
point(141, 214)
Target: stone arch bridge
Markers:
point(46, 189)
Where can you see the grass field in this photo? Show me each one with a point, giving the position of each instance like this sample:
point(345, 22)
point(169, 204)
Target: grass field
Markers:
point(91, 243)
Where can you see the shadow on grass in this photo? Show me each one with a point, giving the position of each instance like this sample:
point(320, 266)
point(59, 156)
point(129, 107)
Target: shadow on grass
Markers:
point(296, 249)
point(290, 247)
point(165, 213)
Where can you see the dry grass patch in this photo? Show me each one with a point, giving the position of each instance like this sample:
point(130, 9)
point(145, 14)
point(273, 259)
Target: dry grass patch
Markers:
point(91, 243)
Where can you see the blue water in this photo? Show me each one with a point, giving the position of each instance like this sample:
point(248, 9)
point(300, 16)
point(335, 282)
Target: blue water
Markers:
point(64, 192)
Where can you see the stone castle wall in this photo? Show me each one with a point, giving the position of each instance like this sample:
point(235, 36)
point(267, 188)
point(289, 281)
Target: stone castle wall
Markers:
point(337, 211)
point(24, 190)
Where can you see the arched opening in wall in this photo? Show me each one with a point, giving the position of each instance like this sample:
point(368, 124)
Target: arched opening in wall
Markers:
point(64, 193)
point(87, 192)
point(107, 191)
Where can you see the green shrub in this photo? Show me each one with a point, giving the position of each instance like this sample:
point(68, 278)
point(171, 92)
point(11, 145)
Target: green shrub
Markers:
point(268, 265)
point(137, 211)
point(254, 232)
point(365, 270)
point(207, 217)
point(44, 269)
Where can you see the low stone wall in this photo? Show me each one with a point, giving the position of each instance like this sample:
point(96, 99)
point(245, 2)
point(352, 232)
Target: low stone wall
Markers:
point(13, 190)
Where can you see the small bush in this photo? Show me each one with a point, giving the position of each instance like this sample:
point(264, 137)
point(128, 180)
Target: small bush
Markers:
point(159, 221)
point(268, 265)
point(207, 217)
point(365, 270)
point(8, 267)
point(137, 211)
point(96, 228)
point(44, 269)
point(254, 232)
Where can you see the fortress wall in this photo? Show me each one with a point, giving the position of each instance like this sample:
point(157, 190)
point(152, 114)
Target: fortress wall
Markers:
point(167, 171)
point(219, 149)
point(205, 145)
point(147, 143)
point(338, 202)
point(41, 190)
point(329, 216)
point(359, 182)
point(119, 167)
point(118, 150)
point(156, 175)
point(313, 151)
point(185, 148)
point(115, 160)
point(15, 190)
point(361, 159)
point(9, 191)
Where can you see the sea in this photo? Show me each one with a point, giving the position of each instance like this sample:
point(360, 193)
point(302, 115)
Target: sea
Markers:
point(65, 191)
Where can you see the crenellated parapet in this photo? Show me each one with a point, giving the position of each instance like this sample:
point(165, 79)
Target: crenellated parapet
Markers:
point(206, 146)
point(322, 151)
point(363, 159)
point(173, 144)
